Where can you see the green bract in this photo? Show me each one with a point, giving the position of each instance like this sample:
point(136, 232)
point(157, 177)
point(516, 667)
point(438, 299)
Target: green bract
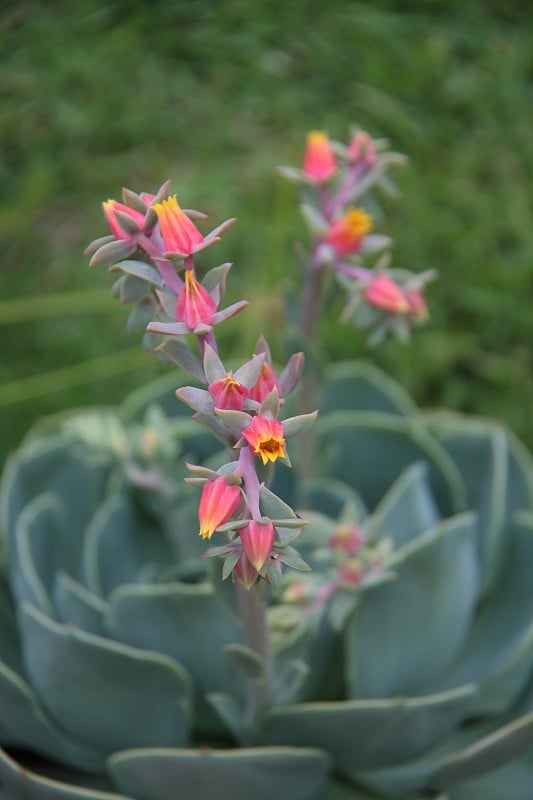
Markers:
point(123, 665)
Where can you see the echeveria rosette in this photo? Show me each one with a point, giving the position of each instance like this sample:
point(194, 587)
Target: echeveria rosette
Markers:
point(418, 681)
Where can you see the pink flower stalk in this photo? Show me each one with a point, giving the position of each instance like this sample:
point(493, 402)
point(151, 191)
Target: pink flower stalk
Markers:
point(319, 160)
point(218, 502)
point(257, 540)
point(228, 393)
point(417, 304)
point(265, 438)
point(346, 537)
point(346, 233)
point(110, 207)
point(383, 293)
point(362, 148)
point(194, 305)
point(180, 234)
point(265, 383)
point(244, 572)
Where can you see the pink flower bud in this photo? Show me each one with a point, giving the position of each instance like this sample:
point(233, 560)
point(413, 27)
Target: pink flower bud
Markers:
point(265, 383)
point(179, 233)
point(383, 293)
point(195, 304)
point(110, 207)
point(351, 572)
point(346, 537)
point(244, 572)
point(257, 541)
point(346, 233)
point(416, 303)
point(319, 161)
point(362, 148)
point(265, 437)
point(228, 393)
point(218, 502)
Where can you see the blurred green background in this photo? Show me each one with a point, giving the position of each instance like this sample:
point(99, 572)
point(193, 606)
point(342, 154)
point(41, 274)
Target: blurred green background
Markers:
point(96, 95)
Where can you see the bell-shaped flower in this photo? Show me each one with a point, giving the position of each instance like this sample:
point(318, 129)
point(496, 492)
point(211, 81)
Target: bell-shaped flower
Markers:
point(382, 292)
point(194, 305)
point(417, 304)
point(265, 438)
point(228, 393)
point(219, 500)
point(244, 572)
point(122, 219)
point(266, 381)
point(180, 235)
point(345, 234)
point(257, 539)
point(319, 161)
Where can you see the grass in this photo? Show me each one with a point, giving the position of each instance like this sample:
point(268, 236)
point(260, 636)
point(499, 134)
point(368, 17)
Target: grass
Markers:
point(96, 95)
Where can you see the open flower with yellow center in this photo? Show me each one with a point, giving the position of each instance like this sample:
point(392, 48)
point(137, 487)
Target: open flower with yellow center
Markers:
point(346, 233)
point(228, 393)
point(319, 161)
point(178, 231)
point(195, 305)
point(265, 438)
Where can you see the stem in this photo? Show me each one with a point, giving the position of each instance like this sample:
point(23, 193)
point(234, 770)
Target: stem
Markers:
point(253, 609)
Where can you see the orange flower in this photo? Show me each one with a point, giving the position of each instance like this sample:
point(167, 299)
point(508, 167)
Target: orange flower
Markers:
point(265, 437)
point(218, 502)
point(383, 293)
point(180, 234)
point(319, 161)
point(346, 233)
point(195, 304)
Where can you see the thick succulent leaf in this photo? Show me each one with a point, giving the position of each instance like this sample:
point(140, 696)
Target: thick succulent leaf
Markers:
point(18, 783)
point(467, 754)
point(485, 755)
point(23, 723)
point(408, 508)
point(187, 622)
point(499, 650)
point(76, 605)
point(42, 545)
point(337, 790)
point(104, 694)
point(369, 451)
point(497, 474)
point(119, 542)
point(405, 632)
point(512, 782)
point(360, 386)
point(56, 465)
point(9, 638)
point(367, 734)
point(259, 773)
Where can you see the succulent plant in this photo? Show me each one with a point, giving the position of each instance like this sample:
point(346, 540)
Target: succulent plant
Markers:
point(403, 660)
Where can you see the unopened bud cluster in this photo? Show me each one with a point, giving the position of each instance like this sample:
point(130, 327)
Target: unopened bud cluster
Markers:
point(335, 181)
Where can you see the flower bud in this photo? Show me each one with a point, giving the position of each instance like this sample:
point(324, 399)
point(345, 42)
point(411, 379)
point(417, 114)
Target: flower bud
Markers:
point(244, 572)
point(257, 540)
point(119, 231)
point(319, 161)
point(383, 293)
point(346, 537)
point(218, 502)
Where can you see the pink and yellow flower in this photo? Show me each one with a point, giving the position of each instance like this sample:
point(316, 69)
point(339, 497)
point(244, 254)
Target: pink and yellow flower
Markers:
point(179, 233)
point(194, 305)
point(265, 438)
point(228, 393)
point(112, 206)
point(218, 502)
point(346, 233)
point(257, 540)
point(382, 292)
point(319, 160)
